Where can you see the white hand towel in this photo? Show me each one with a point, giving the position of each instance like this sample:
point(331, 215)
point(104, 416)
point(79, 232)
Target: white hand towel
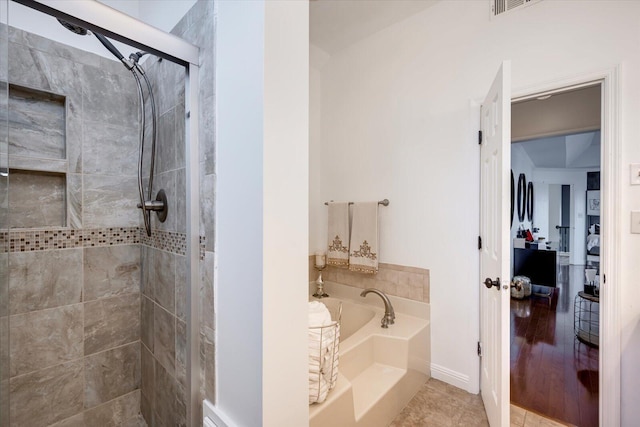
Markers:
point(364, 238)
point(338, 234)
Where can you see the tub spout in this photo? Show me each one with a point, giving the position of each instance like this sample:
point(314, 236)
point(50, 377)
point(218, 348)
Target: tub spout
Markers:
point(389, 315)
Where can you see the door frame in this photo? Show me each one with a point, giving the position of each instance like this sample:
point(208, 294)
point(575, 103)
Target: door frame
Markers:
point(609, 360)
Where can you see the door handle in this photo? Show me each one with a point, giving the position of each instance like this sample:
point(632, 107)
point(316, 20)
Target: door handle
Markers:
point(491, 283)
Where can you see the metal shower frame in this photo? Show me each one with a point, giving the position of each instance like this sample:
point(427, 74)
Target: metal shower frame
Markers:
point(116, 25)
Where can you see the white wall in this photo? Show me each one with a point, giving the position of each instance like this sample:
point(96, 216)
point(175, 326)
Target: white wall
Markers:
point(239, 211)
point(577, 179)
point(262, 133)
point(317, 210)
point(541, 212)
point(554, 211)
point(396, 123)
point(285, 354)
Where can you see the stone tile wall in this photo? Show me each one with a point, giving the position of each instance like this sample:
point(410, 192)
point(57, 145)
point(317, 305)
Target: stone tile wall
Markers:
point(401, 281)
point(98, 160)
point(74, 333)
point(74, 287)
point(164, 305)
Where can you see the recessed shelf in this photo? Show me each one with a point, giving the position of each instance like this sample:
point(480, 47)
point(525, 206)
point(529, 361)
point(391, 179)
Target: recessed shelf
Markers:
point(38, 199)
point(37, 126)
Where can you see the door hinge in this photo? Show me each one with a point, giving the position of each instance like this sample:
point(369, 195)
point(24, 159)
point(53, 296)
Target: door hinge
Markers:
point(479, 242)
point(479, 349)
point(604, 279)
point(480, 137)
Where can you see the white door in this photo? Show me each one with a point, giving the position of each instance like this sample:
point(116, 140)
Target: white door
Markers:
point(495, 157)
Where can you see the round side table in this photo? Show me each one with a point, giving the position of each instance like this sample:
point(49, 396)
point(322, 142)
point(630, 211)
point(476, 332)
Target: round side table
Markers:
point(586, 318)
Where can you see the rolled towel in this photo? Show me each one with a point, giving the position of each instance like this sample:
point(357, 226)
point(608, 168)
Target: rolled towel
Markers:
point(318, 314)
point(318, 391)
point(321, 343)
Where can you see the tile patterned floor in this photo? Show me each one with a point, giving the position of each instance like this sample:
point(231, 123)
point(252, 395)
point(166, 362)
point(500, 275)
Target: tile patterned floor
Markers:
point(439, 404)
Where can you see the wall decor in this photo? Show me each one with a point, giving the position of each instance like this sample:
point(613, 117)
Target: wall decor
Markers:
point(513, 185)
point(522, 196)
point(593, 202)
point(530, 201)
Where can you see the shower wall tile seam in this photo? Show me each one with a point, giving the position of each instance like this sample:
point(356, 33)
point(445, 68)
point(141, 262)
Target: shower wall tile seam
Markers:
point(95, 408)
point(83, 357)
point(43, 310)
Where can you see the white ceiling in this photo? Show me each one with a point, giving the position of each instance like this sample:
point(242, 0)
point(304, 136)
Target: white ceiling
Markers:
point(336, 24)
point(580, 150)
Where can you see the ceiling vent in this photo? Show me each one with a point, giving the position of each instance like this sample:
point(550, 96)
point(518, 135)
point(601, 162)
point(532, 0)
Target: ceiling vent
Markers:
point(499, 7)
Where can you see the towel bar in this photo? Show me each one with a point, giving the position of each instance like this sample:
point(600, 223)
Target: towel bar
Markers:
point(384, 202)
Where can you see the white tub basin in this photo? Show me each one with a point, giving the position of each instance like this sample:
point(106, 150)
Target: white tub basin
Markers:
point(380, 369)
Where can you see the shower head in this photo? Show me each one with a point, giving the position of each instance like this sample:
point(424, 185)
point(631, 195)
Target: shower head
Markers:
point(77, 29)
point(74, 28)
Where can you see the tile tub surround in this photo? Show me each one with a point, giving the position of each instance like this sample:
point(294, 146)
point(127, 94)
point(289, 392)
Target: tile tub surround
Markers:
point(401, 281)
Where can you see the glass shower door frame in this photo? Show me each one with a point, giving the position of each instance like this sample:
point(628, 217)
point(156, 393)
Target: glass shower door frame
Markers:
point(98, 17)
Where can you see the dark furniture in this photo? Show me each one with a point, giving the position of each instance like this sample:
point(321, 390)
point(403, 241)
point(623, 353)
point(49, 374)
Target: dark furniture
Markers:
point(538, 265)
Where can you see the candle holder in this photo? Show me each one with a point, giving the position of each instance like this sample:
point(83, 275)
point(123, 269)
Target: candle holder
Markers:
point(320, 293)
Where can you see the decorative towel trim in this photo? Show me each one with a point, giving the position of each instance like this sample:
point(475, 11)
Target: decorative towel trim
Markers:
point(338, 234)
point(337, 246)
point(365, 251)
point(363, 256)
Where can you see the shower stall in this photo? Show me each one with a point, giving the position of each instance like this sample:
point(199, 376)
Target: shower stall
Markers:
point(106, 216)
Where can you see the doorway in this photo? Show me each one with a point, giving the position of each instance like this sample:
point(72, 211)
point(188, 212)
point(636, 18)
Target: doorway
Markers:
point(556, 244)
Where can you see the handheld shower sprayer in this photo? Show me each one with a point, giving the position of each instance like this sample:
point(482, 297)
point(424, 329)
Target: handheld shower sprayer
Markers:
point(147, 204)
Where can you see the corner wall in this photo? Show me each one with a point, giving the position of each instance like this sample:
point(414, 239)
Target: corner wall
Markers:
point(262, 212)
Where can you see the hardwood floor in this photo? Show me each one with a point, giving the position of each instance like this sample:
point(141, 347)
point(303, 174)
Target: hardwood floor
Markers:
point(552, 373)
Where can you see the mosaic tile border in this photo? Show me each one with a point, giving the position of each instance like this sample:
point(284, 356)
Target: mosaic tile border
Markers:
point(169, 241)
point(66, 238)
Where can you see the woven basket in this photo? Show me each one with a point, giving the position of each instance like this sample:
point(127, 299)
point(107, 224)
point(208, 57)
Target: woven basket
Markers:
point(520, 287)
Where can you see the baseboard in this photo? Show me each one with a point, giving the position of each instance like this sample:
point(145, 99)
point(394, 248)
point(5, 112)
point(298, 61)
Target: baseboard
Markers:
point(450, 377)
point(213, 414)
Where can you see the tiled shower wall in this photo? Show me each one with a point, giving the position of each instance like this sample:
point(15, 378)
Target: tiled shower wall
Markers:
point(74, 289)
point(164, 304)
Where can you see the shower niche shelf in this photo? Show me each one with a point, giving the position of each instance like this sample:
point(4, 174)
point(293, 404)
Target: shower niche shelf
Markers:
point(38, 164)
point(37, 124)
point(38, 199)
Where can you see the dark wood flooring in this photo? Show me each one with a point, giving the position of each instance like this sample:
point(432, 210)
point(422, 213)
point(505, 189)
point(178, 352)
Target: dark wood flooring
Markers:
point(552, 373)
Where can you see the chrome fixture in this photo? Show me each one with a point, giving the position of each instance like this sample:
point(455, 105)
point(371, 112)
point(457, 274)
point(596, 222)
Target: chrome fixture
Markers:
point(384, 202)
point(320, 264)
point(147, 204)
point(389, 315)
